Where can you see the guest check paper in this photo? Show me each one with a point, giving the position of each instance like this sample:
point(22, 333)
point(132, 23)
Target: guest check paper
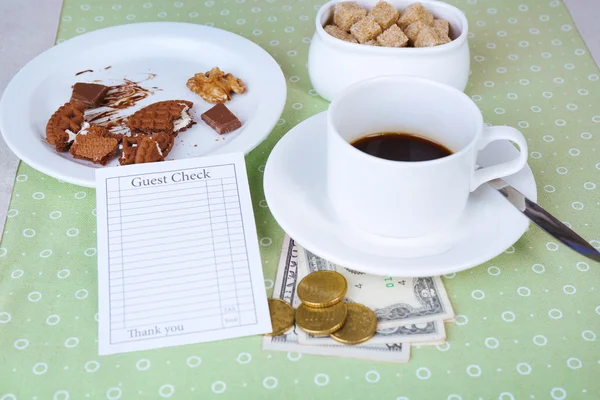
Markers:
point(178, 257)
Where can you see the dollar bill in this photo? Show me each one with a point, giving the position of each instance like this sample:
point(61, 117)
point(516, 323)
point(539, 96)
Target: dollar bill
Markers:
point(288, 276)
point(419, 334)
point(397, 302)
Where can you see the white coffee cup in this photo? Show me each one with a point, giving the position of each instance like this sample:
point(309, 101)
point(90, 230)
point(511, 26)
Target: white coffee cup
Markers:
point(408, 199)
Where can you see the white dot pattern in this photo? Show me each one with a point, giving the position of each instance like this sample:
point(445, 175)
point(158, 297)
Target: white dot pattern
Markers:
point(517, 314)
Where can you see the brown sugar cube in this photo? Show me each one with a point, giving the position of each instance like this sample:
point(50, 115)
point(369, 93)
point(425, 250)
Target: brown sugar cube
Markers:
point(372, 42)
point(443, 39)
point(414, 12)
point(347, 13)
point(428, 37)
point(366, 29)
point(442, 27)
point(385, 14)
point(339, 33)
point(412, 31)
point(392, 37)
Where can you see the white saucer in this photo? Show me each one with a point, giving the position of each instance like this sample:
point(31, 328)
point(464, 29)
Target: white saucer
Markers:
point(295, 191)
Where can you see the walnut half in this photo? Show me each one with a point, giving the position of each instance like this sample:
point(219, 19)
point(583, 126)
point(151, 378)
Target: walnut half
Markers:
point(215, 86)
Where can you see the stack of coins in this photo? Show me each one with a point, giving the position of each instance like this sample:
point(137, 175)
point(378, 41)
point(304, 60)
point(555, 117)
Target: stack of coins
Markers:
point(322, 312)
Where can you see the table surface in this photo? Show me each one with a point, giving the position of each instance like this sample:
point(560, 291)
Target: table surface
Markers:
point(528, 321)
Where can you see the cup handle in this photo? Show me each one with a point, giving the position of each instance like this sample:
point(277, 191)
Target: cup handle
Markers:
point(491, 134)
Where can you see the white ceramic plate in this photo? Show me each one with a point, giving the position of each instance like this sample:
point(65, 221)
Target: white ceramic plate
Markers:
point(294, 182)
point(172, 51)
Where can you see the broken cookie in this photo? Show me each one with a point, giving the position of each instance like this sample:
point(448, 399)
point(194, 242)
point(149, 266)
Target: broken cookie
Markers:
point(169, 117)
point(164, 140)
point(146, 148)
point(94, 148)
point(128, 150)
point(64, 125)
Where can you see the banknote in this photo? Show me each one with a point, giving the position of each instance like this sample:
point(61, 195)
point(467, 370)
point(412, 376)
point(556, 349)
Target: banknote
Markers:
point(418, 334)
point(288, 275)
point(397, 302)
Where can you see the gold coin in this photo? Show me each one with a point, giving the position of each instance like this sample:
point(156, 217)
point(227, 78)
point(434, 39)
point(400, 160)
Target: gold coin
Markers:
point(282, 316)
point(321, 321)
point(360, 326)
point(322, 289)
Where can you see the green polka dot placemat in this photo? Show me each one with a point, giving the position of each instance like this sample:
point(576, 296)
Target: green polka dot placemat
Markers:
point(528, 323)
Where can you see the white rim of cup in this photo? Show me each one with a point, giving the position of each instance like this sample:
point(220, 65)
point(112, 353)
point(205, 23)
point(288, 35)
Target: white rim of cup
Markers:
point(347, 92)
point(430, 5)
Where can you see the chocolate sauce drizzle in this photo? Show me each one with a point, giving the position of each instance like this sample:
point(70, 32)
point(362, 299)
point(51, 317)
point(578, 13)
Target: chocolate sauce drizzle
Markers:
point(83, 72)
point(119, 97)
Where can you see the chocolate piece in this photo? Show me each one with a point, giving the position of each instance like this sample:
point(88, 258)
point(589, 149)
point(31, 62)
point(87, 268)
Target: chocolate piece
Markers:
point(221, 119)
point(90, 94)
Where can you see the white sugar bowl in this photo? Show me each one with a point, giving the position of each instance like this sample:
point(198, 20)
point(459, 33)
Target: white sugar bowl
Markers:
point(334, 64)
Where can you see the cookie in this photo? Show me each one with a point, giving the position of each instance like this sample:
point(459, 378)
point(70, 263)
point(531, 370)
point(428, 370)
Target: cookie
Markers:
point(164, 140)
point(94, 148)
point(97, 130)
point(128, 150)
point(169, 116)
point(64, 125)
point(146, 148)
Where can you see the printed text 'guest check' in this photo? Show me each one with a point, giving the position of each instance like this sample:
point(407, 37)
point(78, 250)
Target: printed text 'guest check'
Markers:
point(178, 255)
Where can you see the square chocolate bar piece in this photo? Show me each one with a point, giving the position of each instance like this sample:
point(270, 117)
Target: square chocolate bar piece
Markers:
point(89, 94)
point(221, 119)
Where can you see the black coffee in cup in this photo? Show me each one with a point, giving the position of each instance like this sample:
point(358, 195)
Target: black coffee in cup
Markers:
point(399, 146)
